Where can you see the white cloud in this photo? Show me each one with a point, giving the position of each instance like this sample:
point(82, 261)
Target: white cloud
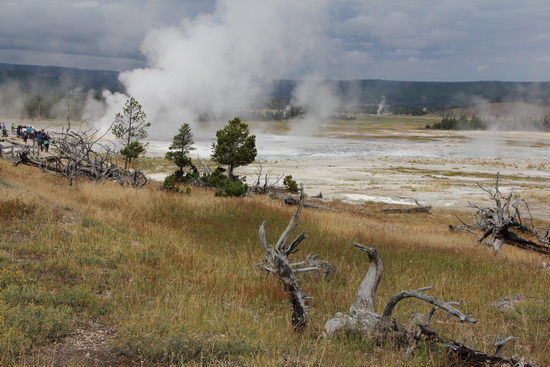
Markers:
point(544, 37)
point(482, 67)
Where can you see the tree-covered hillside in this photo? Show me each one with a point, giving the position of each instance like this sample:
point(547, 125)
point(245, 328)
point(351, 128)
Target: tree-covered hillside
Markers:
point(430, 94)
point(28, 91)
point(58, 80)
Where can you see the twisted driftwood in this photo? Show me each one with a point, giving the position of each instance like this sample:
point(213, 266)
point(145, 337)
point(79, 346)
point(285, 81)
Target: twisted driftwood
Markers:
point(363, 319)
point(501, 222)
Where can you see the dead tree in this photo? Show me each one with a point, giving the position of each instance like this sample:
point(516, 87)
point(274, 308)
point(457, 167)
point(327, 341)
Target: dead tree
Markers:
point(363, 319)
point(268, 184)
point(276, 261)
point(81, 153)
point(504, 221)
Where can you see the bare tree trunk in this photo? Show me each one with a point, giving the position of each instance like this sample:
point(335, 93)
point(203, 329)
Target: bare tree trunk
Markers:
point(364, 299)
point(276, 261)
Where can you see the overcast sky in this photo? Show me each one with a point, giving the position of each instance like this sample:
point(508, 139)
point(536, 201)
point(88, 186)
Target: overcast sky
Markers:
point(428, 40)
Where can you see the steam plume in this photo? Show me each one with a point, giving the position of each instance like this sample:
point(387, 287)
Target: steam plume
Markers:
point(222, 63)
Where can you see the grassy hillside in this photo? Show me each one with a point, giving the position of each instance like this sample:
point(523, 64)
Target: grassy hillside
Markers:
point(143, 277)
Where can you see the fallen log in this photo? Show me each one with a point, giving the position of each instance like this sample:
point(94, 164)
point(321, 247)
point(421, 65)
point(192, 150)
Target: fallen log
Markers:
point(418, 209)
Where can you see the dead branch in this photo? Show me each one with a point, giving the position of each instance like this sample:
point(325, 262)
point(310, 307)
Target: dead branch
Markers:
point(276, 261)
point(499, 345)
point(502, 223)
point(205, 167)
point(424, 297)
point(363, 319)
point(268, 183)
point(81, 153)
point(432, 312)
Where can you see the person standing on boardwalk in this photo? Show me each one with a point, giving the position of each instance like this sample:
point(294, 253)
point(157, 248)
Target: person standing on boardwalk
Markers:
point(40, 139)
point(46, 142)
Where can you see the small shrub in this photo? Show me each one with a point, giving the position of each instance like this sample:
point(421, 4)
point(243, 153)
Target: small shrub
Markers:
point(235, 188)
point(290, 184)
point(23, 295)
point(175, 181)
point(39, 323)
point(10, 277)
point(149, 256)
point(225, 185)
point(217, 178)
point(168, 183)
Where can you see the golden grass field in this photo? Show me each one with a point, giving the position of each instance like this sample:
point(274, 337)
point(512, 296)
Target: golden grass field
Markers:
point(102, 274)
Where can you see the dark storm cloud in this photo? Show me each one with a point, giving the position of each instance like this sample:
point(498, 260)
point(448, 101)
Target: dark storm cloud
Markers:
point(403, 39)
point(87, 33)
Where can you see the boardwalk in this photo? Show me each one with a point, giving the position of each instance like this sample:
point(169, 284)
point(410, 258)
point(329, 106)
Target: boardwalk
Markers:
point(10, 146)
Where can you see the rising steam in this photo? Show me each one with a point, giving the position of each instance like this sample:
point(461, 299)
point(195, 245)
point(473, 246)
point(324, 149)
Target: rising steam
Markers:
point(217, 65)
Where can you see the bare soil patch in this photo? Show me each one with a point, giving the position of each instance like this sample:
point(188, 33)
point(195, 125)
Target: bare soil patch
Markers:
point(90, 344)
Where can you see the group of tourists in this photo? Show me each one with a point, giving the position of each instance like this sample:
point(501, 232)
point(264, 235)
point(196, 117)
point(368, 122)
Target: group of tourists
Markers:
point(26, 132)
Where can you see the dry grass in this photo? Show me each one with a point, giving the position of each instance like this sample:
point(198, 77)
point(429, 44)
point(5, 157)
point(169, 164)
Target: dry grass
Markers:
point(175, 275)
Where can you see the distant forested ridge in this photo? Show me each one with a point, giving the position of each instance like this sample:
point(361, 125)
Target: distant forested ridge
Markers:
point(430, 95)
point(28, 91)
point(58, 80)
point(50, 92)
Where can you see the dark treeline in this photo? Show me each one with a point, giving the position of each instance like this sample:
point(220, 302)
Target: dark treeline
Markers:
point(40, 92)
point(478, 123)
point(37, 91)
point(35, 106)
point(418, 95)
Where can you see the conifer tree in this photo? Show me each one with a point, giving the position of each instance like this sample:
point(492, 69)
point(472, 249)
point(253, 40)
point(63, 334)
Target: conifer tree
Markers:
point(235, 146)
point(129, 128)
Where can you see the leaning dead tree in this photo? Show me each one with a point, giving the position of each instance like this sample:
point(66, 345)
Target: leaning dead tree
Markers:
point(363, 319)
point(276, 261)
point(81, 153)
point(504, 223)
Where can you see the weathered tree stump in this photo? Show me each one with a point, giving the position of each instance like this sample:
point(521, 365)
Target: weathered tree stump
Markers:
point(276, 261)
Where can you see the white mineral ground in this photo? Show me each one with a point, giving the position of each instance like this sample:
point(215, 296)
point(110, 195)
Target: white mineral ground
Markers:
point(438, 168)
